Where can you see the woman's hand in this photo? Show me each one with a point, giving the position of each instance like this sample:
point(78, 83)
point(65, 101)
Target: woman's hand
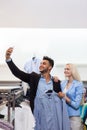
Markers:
point(67, 99)
point(61, 94)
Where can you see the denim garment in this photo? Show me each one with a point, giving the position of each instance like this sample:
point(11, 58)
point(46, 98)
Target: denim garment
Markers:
point(51, 113)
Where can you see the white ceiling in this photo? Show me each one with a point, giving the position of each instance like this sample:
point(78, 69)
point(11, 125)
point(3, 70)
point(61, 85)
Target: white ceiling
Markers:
point(43, 13)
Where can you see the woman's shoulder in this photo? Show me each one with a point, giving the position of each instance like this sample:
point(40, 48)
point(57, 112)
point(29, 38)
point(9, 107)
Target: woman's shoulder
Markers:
point(78, 85)
point(78, 82)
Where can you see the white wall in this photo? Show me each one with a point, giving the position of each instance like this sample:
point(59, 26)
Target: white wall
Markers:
point(6, 75)
point(58, 70)
point(63, 45)
point(82, 68)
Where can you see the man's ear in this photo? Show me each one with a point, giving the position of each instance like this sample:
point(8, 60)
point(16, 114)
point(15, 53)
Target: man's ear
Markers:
point(50, 67)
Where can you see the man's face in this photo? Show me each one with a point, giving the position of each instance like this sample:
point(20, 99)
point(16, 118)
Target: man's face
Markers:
point(44, 66)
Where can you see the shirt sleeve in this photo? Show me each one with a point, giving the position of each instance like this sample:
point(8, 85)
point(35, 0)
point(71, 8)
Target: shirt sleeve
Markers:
point(76, 99)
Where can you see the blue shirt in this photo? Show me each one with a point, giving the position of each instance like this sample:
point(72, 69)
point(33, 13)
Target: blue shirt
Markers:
point(75, 94)
point(51, 113)
point(43, 86)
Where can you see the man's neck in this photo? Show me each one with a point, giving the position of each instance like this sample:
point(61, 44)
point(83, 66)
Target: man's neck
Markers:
point(47, 77)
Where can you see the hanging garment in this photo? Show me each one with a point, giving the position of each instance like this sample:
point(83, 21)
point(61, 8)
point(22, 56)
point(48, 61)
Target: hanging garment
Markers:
point(32, 65)
point(24, 119)
point(5, 125)
point(51, 113)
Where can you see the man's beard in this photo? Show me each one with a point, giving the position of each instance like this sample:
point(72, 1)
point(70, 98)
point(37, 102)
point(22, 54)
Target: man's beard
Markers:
point(44, 71)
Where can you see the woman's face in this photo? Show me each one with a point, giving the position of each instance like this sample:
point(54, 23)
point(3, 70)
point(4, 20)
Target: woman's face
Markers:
point(67, 71)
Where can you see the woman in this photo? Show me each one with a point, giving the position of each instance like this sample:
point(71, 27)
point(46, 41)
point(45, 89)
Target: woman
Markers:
point(73, 89)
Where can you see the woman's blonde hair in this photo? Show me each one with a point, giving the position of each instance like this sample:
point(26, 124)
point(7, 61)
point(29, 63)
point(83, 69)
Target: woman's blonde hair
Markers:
point(74, 71)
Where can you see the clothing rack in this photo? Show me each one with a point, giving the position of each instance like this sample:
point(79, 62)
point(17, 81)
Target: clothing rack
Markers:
point(8, 94)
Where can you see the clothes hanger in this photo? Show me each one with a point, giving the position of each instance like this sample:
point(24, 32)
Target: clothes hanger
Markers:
point(33, 58)
point(49, 91)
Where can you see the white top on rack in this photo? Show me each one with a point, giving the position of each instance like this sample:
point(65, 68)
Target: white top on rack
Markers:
point(10, 87)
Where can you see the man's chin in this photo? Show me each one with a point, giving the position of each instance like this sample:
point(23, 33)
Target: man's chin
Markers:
point(41, 71)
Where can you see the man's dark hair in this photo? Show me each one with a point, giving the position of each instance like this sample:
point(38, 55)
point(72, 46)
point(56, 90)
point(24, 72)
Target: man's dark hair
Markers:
point(51, 61)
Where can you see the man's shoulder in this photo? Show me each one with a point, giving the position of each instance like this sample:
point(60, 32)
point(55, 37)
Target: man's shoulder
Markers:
point(35, 75)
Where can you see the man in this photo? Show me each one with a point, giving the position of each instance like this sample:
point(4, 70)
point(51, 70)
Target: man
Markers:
point(44, 91)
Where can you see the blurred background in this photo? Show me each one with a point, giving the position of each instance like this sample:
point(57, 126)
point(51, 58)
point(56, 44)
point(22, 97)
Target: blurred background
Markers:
point(50, 27)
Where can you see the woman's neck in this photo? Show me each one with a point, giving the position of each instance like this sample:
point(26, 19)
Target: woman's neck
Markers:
point(70, 80)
